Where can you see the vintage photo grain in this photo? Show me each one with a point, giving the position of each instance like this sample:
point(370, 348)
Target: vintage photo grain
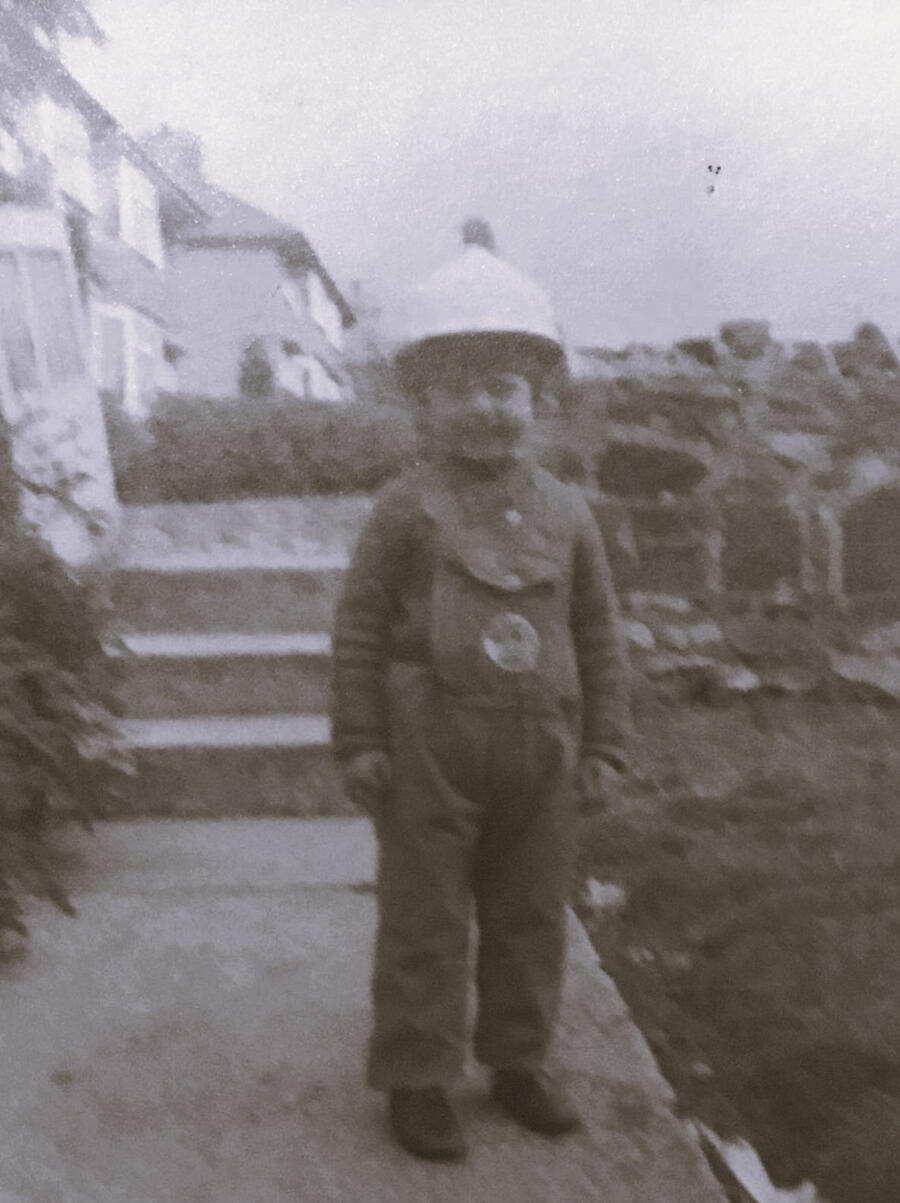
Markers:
point(450, 604)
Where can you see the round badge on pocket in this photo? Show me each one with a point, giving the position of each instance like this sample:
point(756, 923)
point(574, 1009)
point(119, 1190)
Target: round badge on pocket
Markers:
point(511, 642)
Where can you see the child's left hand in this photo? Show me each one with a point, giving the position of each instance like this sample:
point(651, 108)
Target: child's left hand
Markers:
point(597, 779)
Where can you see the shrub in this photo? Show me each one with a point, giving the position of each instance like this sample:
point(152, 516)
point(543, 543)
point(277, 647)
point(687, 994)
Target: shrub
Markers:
point(129, 441)
point(257, 376)
point(201, 449)
point(56, 736)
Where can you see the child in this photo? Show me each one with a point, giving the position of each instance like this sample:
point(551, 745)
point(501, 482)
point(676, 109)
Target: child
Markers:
point(478, 682)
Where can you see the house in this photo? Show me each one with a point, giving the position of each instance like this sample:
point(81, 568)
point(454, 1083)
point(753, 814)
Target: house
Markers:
point(74, 246)
point(63, 151)
point(247, 290)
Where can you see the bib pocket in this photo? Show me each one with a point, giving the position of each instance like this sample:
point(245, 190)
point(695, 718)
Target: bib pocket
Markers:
point(499, 632)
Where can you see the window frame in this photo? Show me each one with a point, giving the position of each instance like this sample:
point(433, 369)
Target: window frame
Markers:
point(33, 314)
point(103, 317)
point(143, 338)
point(21, 251)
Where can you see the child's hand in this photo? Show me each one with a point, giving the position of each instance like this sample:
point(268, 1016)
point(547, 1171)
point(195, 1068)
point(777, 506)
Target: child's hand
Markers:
point(367, 778)
point(597, 779)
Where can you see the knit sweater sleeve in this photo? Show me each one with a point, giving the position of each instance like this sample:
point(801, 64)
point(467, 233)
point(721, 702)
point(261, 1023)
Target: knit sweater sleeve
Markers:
point(599, 646)
point(364, 616)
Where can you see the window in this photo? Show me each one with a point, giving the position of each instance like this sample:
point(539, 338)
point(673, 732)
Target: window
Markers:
point(148, 358)
point(130, 359)
point(323, 310)
point(109, 214)
point(139, 213)
point(111, 357)
point(53, 309)
point(39, 335)
point(63, 135)
point(15, 337)
point(12, 160)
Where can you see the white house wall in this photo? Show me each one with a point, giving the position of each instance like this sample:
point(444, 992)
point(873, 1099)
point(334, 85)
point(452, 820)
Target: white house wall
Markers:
point(62, 135)
point(139, 223)
point(307, 378)
point(323, 386)
point(12, 158)
point(56, 414)
point(223, 298)
point(324, 312)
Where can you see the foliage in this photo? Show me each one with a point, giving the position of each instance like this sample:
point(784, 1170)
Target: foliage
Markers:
point(26, 26)
point(198, 449)
point(257, 376)
point(57, 748)
point(54, 16)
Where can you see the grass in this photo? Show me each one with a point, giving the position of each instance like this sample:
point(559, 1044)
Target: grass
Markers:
point(760, 855)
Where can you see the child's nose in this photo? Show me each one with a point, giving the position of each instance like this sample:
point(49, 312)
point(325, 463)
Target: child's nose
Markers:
point(481, 401)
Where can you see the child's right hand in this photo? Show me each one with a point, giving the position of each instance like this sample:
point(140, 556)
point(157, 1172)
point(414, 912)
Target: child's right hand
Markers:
point(367, 779)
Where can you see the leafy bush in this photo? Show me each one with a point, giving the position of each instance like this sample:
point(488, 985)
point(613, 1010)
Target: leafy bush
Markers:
point(56, 737)
point(197, 449)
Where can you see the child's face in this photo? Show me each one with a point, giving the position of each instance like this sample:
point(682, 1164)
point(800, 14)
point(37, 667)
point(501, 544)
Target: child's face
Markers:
point(482, 414)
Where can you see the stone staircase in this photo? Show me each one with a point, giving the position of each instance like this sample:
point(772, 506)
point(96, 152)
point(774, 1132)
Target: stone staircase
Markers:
point(224, 686)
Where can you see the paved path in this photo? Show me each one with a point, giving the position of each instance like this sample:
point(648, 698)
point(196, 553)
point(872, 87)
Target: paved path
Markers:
point(197, 1036)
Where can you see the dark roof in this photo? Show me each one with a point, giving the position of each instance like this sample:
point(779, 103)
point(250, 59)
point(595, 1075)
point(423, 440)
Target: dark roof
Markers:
point(231, 222)
point(236, 219)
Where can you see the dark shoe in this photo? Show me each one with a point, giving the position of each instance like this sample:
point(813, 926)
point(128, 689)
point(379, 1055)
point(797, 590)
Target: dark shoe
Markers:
point(425, 1124)
point(534, 1103)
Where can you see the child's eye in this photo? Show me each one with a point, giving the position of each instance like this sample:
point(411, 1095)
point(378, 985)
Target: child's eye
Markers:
point(500, 388)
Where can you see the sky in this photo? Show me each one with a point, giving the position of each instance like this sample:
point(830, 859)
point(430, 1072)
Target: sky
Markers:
point(582, 130)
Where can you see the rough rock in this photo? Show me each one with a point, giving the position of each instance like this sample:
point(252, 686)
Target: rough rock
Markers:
point(872, 544)
point(879, 673)
point(745, 338)
point(762, 546)
point(641, 463)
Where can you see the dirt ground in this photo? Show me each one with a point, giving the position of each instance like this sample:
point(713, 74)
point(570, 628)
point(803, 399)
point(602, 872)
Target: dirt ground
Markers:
point(760, 856)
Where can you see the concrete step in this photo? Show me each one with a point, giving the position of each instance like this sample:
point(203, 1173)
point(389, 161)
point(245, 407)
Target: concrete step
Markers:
point(247, 597)
point(175, 674)
point(227, 766)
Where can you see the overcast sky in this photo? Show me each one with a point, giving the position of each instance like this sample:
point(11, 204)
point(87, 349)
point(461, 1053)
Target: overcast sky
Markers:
point(581, 129)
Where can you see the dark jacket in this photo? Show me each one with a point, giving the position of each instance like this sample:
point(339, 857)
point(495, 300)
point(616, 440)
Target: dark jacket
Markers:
point(440, 557)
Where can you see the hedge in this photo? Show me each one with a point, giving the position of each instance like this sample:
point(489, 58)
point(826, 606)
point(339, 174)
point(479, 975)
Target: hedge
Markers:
point(199, 449)
point(58, 755)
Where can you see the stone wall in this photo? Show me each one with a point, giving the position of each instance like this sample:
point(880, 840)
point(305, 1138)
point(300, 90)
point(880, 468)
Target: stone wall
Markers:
point(749, 492)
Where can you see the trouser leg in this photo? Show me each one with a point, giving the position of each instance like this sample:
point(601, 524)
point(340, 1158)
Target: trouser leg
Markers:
point(523, 883)
point(420, 978)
